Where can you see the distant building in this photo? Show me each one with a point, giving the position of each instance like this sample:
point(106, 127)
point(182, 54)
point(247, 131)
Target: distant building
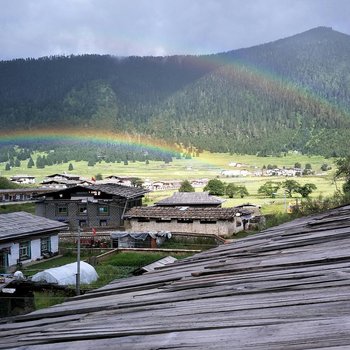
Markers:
point(90, 206)
point(23, 179)
point(20, 194)
point(25, 237)
point(59, 181)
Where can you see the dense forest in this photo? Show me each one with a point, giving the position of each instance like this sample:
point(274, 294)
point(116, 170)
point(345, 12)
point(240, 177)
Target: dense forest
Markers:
point(291, 94)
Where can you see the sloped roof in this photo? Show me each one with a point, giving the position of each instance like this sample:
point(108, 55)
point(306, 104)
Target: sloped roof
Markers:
point(119, 190)
point(20, 224)
point(287, 287)
point(112, 189)
point(65, 175)
point(190, 198)
point(155, 212)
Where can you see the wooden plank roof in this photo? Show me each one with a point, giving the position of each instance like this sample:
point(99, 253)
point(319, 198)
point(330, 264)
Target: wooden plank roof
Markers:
point(19, 224)
point(285, 288)
point(156, 212)
point(190, 198)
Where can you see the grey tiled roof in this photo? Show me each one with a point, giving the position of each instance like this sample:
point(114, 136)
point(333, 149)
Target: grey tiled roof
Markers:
point(112, 189)
point(119, 190)
point(183, 213)
point(20, 224)
point(190, 198)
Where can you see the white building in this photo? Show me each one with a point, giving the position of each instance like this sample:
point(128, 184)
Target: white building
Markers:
point(25, 237)
point(23, 179)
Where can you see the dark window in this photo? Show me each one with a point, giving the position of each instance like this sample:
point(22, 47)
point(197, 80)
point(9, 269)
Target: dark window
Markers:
point(82, 210)
point(184, 221)
point(82, 223)
point(103, 210)
point(163, 220)
point(62, 210)
point(24, 250)
point(103, 222)
point(45, 245)
point(143, 220)
point(208, 222)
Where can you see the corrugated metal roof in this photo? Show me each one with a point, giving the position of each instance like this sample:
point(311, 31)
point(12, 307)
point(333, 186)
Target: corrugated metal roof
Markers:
point(21, 223)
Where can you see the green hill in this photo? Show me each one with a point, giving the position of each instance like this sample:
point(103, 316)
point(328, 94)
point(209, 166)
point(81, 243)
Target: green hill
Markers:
point(291, 94)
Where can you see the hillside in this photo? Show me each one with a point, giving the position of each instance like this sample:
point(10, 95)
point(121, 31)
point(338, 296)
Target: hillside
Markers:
point(291, 94)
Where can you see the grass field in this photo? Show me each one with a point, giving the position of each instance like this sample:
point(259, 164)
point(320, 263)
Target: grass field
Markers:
point(207, 165)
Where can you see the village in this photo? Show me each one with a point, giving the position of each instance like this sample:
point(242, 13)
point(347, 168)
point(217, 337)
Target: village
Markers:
point(108, 214)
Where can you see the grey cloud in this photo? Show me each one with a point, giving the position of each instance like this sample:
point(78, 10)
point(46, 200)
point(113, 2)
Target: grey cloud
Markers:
point(34, 28)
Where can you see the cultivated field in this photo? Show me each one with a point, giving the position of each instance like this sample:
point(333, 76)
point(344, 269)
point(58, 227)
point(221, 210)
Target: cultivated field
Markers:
point(207, 165)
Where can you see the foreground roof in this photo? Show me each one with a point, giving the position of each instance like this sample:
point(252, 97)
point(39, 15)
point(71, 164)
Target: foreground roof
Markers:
point(184, 213)
point(285, 288)
point(19, 224)
point(191, 198)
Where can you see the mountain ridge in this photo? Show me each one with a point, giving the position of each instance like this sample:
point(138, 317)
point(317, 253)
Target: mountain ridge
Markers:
point(292, 93)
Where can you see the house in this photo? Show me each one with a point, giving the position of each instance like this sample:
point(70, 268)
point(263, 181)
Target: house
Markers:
point(215, 221)
point(191, 199)
point(20, 194)
point(165, 185)
point(23, 179)
point(25, 237)
point(121, 180)
point(235, 173)
point(90, 206)
point(287, 287)
point(64, 176)
point(65, 180)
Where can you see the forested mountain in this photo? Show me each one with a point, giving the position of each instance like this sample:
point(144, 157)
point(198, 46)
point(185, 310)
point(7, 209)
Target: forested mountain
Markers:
point(291, 94)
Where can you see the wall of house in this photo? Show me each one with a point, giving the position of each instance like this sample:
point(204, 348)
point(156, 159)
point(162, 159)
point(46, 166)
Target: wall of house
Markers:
point(220, 228)
point(35, 249)
point(92, 218)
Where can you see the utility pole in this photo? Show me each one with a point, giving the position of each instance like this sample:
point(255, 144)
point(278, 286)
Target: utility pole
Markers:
point(285, 202)
point(78, 264)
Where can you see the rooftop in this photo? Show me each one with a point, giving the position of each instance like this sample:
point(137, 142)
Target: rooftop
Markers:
point(287, 287)
point(111, 189)
point(184, 213)
point(190, 198)
point(19, 224)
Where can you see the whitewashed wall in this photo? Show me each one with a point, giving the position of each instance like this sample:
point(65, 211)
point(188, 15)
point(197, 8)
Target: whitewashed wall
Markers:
point(220, 228)
point(35, 250)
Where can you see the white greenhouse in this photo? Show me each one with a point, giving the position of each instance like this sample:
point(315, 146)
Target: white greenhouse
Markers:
point(66, 274)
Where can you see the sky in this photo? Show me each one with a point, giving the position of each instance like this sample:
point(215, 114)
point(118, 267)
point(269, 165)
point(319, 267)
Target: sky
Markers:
point(37, 28)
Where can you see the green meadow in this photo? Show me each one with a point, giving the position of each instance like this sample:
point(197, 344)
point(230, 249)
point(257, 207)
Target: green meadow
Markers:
point(207, 165)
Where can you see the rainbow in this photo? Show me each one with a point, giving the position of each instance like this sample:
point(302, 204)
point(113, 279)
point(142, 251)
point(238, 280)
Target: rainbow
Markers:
point(73, 136)
point(256, 78)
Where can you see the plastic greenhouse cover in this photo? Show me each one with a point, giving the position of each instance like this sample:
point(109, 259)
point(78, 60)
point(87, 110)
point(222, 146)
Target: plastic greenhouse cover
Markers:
point(141, 235)
point(66, 274)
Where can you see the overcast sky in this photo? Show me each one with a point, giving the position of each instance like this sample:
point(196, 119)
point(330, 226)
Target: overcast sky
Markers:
point(36, 28)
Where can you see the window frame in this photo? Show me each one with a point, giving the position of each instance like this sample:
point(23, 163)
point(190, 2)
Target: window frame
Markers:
point(46, 240)
point(59, 211)
point(103, 213)
point(26, 247)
